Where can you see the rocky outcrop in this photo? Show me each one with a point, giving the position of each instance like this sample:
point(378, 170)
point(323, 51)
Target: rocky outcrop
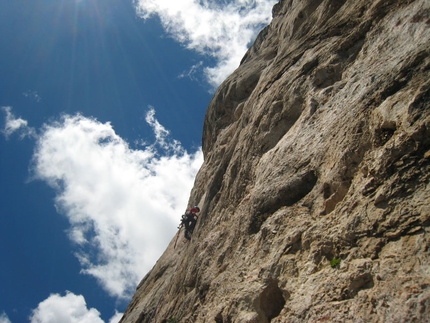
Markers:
point(314, 191)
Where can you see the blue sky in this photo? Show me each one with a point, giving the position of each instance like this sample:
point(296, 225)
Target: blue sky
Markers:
point(102, 105)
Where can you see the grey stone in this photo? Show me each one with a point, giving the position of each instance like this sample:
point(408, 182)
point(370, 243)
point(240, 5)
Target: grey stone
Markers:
point(317, 147)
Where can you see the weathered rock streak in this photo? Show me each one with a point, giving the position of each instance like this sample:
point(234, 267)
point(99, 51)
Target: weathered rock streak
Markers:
point(317, 148)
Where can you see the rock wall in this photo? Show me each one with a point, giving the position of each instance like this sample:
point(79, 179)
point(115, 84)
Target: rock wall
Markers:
point(314, 191)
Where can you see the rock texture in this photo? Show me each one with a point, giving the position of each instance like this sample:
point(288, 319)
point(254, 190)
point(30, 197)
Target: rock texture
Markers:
point(315, 191)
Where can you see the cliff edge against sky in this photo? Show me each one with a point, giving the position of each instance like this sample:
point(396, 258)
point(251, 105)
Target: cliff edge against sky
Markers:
point(314, 192)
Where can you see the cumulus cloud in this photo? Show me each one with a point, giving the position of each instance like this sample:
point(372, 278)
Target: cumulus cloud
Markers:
point(4, 318)
point(70, 308)
point(123, 204)
point(222, 30)
point(116, 317)
point(14, 124)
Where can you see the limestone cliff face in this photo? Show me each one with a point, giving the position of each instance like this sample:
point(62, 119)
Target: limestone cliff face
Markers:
point(315, 191)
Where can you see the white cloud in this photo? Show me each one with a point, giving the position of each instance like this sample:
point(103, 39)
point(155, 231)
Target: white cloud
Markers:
point(116, 317)
point(70, 308)
point(123, 204)
point(32, 95)
point(192, 71)
point(13, 124)
point(223, 30)
point(4, 318)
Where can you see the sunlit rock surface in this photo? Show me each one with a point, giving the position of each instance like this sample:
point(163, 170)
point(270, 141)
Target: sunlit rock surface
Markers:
point(315, 189)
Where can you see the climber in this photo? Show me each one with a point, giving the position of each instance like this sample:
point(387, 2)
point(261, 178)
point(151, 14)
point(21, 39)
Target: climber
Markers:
point(189, 220)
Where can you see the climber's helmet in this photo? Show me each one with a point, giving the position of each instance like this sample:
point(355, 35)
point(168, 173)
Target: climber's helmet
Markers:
point(195, 209)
